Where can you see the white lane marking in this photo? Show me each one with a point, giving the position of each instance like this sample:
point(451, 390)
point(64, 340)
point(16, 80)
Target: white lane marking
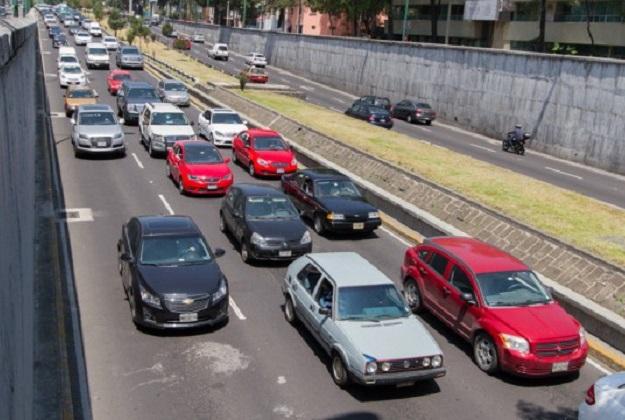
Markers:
point(50, 75)
point(308, 88)
point(563, 173)
point(598, 366)
point(396, 236)
point(77, 215)
point(57, 114)
point(139, 164)
point(46, 52)
point(429, 130)
point(281, 380)
point(236, 309)
point(166, 204)
point(482, 147)
point(335, 109)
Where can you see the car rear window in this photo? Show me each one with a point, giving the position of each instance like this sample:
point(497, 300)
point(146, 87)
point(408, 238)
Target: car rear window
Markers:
point(423, 105)
point(121, 77)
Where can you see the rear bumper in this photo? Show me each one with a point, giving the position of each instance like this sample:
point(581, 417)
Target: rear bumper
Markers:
point(399, 377)
point(388, 124)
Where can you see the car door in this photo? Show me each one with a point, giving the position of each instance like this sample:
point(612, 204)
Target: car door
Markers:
point(173, 160)
point(293, 187)
point(309, 200)
point(460, 313)
point(435, 281)
point(303, 289)
point(246, 150)
point(228, 208)
point(160, 89)
point(239, 225)
point(128, 245)
point(144, 123)
point(204, 120)
point(324, 297)
point(121, 94)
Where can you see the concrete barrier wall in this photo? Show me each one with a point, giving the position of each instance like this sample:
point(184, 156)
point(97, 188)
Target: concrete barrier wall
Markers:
point(18, 135)
point(574, 107)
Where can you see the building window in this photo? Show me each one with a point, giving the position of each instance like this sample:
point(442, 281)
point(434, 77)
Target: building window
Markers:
point(600, 11)
point(526, 12)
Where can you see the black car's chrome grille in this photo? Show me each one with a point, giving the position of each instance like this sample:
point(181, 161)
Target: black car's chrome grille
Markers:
point(95, 141)
point(559, 348)
point(280, 242)
point(182, 304)
point(359, 217)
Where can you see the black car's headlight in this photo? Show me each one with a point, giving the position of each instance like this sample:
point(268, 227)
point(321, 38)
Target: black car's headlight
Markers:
point(222, 291)
point(150, 299)
point(306, 238)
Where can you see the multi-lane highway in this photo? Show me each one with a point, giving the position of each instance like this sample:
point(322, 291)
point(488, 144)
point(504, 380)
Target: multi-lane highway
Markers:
point(585, 180)
point(257, 366)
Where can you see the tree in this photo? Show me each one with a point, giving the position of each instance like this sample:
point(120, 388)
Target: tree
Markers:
point(116, 21)
point(589, 11)
point(167, 29)
point(98, 10)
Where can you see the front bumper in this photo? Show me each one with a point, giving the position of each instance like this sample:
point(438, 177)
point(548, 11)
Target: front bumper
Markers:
point(344, 226)
point(396, 378)
point(163, 319)
point(271, 170)
point(178, 101)
point(132, 65)
point(207, 188)
point(99, 63)
point(272, 252)
point(530, 365)
point(66, 82)
point(259, 79)
point(119, 148)
point(222, 140)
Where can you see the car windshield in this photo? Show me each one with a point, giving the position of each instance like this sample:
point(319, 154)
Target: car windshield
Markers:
point(339, 188)
point(106, 39)
point(222, 48)
point(97, 51)
point(96, 118)
point(82, 34)
point(269, 208)
point(512, 288)
point(370, 303)
point(219, 118)
point(175, 250)
point(130, 51)
point(256, 70)
point(68, 59)
point(424, 106)
point(175, 87)
point(72, 70)
point(169, 118)
point(147, 93)
point(269, 143)
point(121, 77)
point(81, 93)
point(201, 153)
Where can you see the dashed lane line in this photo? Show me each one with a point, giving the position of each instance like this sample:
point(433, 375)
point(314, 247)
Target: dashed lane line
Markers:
point(236, 309)
point(482, 147)
point(139, 163)
point(166, 204)
point(558, 171)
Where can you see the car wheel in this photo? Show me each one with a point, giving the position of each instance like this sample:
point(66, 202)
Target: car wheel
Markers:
point(485, 353)
point(210, 137)
point(251, 170)
point(409, 119)
point(234, 158)
point(222, 223)
point(289, 311)
point(428, 122)
point(245, 253)
point(413, 295)
point(318, 224)
point(181, 187)
point(132, 303)
point(150, 150)
point(339, 372)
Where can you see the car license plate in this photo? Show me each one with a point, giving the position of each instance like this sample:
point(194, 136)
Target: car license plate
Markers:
point(404, 384)
point(280, 170)
point(359, 226)
point(284, 253)
point(101, 144)
point(192, 317)
point(211, 187)
point(560, 367)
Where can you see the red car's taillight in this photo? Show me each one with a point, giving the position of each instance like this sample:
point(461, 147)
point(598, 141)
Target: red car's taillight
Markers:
point(590, 395)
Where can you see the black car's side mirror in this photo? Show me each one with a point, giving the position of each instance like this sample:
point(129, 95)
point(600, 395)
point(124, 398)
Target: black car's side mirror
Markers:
point(126, 258)
point(325, 311)
point(468, 298)
point(219, 252)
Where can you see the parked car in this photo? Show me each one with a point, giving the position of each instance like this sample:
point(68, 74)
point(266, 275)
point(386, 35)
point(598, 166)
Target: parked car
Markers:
point(77, 95)
point(331, 201)
point(173, 91)
point(54, 31)
point(264, 223)
point(170, 274)
point(67, 60)
point(132, 98)
point(263, 152)
point(198, 38)
point(414, 111)
point(255, 74)
point(360, 320)
point(96, 55)
point(376, 101)
point(220, 125)
point(605, 399)
point(82, 38)
point(59, 40)
point(496, 303)
point(372, 114)
point(161, 125)
point(129, 57)
point(256, 59)
point(115, 78)
point(219, 52)
point(197, 167)
point(71, 75)
point(110, 42)
point(96, 130)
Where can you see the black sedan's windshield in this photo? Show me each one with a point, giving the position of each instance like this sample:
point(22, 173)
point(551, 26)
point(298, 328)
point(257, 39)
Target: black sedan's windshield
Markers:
point(201, 153)
point(96, 118)
point(370, 303)
point(147, 93)
point(175, 250)
point(268, 208)
point(512, 288)
point(337, 188)
point(269, 143)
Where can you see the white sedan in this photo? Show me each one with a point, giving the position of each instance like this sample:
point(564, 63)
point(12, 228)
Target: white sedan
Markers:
point(72, 75)
point(605, 399)
point(256, 59)
point(110, 42)
point(82, 38)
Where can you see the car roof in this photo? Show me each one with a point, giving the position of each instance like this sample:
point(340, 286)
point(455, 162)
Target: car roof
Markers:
point(167, 225)
point(323, 173)
point(478, 256)
point(349, 269)
point(136, 84)
point(258, 189)
point(164, 107)
point(262, 132)
point(171, 81)
point(95, 107)
point(222, 110)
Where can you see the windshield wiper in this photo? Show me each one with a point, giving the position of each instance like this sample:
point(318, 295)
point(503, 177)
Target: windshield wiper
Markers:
point(359, 318)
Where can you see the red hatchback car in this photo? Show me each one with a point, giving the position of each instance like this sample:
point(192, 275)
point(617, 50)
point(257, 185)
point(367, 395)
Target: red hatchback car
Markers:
point(197, 167)
point(115, 79)
point(263, 152)
point(495, 302)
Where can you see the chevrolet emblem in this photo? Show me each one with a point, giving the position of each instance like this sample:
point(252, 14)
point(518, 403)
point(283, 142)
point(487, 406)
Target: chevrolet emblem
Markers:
point(188, 301)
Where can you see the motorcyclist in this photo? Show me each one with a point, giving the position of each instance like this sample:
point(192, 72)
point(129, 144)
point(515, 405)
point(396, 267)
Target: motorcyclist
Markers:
point(518, 134)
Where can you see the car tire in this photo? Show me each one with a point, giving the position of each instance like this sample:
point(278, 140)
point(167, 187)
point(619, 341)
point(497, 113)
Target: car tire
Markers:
point(181, 189)
point(245, 253)
point(234, 158)
point(413, 295)
point(409, 119)
point(150, 150)
point(222, 223)
point(428, 122)
point(289, 311)
point(251, 171)
point(340, 376)
point(485, 353)
point(318, 224)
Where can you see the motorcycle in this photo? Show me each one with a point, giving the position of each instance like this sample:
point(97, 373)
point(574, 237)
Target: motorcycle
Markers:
point(511, 144)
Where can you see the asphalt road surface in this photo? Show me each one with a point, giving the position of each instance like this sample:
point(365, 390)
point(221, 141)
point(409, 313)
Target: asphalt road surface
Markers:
point(257, 366)
point(586, 180)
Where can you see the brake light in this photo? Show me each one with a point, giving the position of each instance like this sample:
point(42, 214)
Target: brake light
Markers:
point(590, 395)
point(371, 117)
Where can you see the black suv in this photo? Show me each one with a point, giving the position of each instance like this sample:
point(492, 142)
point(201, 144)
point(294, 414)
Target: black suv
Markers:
point(170, 275)
point(132, 97)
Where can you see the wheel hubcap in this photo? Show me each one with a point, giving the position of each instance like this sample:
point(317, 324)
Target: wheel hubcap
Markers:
point(244, 253)
point(412, 294)
point(484, 353)
point(337, 369)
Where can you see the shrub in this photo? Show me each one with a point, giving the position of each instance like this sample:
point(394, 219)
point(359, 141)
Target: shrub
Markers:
point(167, 29)
point(181, 44)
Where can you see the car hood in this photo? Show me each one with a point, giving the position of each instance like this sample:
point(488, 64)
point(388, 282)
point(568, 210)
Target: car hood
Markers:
point(391, 339)
point(288, 229)
point(176, 94)
point(98, 56)
point(229, 128)
point(275, 155)
point(189, 279)
point(212, 170)
point(346, 205)
point(80, 101)
point(99, 130)
point(538, 323)
point(172, 130)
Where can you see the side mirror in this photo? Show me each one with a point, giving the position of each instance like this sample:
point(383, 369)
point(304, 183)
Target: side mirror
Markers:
point(73, 121)
point(126, 258)
point(219, 252)
point(245, 122)
point(227, 160)
point(122, 121)
point(325, 311)
point(468, 298)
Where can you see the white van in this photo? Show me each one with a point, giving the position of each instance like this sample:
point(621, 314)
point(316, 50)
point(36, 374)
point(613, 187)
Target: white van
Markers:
point(219, 52)
point(67, 51)
point(95, 29)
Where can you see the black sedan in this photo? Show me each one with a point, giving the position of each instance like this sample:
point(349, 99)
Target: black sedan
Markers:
point(59, 40)
point(54, 30)
point(331, 201)
point(370, 113)
point(170, 275)
point(414, 111)
point(264, 223)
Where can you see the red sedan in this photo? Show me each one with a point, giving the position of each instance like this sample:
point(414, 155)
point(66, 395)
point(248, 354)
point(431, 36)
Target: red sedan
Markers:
point(197, 167)
point(496, 303)
point(256, 74)
point(115, 79)
point(263, 152)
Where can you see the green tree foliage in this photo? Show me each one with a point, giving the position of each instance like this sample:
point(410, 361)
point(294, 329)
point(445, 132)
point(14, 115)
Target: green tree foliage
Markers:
point(98, 10)
point(116, 21)
point(167, 29)
point(361, 13)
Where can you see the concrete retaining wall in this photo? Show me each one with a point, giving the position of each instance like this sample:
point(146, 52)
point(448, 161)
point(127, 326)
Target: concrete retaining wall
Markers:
point(575, 107)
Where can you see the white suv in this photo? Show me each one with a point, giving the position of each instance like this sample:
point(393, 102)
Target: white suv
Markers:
point(220, 126)
point(96, 55)
point(95, 30)
point(219, 52)
point(256, 59)
point(161, 125)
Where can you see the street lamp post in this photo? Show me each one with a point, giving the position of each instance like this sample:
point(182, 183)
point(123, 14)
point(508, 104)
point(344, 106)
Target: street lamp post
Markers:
point(403, 31)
